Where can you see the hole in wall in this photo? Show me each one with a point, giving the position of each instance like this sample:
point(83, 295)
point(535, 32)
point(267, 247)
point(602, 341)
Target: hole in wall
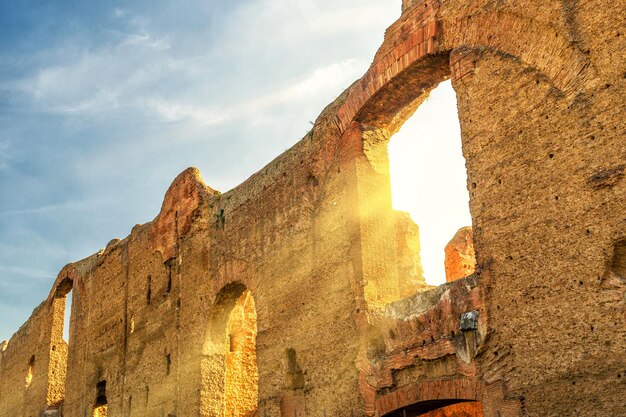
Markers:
point(169, 264)
point(101, 393)
point(429, 179)
point(149, 290)
point(101, 405)
point(618, 262)
point(67, 315)
point(29, 371)
point(295, 374)
point(231, 343)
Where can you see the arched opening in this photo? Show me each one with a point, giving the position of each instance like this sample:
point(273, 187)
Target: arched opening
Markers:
point(440, 408)
point(60, 342)
point(63, 309)
point(101, 406)
point(446, 397)
point(429, 182)
point(67, 315)
point(29, 371)
point(378, 121)
point(229, 368)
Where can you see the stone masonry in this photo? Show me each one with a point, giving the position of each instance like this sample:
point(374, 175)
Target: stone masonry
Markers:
point(299, 293)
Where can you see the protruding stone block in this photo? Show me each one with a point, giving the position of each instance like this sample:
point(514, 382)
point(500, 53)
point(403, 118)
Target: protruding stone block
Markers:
point(460, 255)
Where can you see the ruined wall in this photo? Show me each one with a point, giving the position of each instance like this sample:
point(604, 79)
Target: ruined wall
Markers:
point(547, 199)
point(144, 307)
point(460, 260)
point(541, 102)
point(315, 241)
point(409, 263)
point(24, 367)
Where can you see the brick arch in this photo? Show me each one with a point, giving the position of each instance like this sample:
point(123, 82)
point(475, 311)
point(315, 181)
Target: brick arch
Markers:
point(428, 395)
point(64, 283)
point(228, 367)
point(415, 57)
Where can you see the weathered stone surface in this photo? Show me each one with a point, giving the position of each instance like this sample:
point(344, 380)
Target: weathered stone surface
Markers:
point(314, 240)
point(410, 272)
point(460, 256)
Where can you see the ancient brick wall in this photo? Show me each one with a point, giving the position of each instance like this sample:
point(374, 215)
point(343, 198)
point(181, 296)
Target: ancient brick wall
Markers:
point(24, 366)
point(541, 107)
point(314, 240)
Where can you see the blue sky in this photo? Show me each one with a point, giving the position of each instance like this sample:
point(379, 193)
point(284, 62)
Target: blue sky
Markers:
point(103, 103)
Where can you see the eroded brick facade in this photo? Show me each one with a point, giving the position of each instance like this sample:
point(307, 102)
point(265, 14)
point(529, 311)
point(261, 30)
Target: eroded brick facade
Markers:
point(344, 324)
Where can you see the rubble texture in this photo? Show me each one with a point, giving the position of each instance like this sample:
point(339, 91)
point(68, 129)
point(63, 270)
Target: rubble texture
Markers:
point(344, 325)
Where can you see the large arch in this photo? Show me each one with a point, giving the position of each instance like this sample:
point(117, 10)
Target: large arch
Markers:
point(228, 366)
point(436, 398)
point(424, 47)
point(423, 33)
point(59, 348)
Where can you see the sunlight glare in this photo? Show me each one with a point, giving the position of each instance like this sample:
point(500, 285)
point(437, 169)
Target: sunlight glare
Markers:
point(428, 177)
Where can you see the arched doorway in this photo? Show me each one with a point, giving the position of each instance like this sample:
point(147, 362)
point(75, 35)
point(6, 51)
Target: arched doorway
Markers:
point(229, 368)
point(60, 341)
point(390, 237)
point(440, 408)
point(447, 397)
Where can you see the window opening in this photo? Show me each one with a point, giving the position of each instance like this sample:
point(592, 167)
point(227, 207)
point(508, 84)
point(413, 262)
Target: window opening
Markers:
point(429, 179)
point(294, 372)
point(67, 317)
point(149, 290)
point(169, 264)
point(29, 371)
point(101, 405)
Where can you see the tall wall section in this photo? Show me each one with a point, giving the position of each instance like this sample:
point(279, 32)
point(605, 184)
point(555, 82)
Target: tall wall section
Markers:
point(546, 168)
point(540, 89)
point(145, 308)
point(25, 364)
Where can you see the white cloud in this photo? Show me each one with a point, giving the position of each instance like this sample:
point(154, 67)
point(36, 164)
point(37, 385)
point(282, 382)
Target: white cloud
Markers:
point(142, 72)
point(321, 82)
point(75, 205)
point(119, 12)
point(324, 81)
point(99, 81)
point(26, 272)
point(291, 22)
point(170, 111)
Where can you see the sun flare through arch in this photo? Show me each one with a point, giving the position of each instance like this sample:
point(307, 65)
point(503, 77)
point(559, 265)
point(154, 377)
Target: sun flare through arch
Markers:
point(428, 177)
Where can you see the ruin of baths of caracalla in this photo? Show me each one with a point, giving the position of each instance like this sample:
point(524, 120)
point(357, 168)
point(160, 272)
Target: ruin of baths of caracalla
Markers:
point(291, 296)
